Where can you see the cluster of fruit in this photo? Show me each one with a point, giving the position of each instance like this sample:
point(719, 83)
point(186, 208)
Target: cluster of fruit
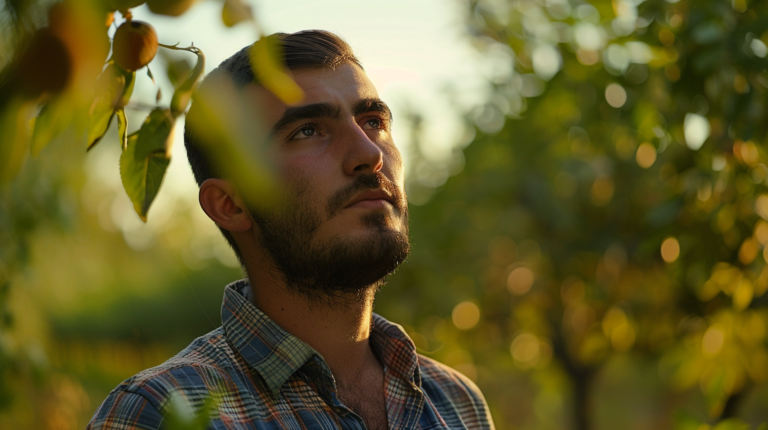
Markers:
point(52, 57)
point(65, 82)
point(75, 43)
point(135, 42)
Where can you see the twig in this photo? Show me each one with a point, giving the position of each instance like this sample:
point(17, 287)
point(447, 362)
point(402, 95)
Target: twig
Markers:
point(193, 49)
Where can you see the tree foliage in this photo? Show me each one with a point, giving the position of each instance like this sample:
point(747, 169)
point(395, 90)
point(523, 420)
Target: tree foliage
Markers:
point(613, 203)
point(67, 73)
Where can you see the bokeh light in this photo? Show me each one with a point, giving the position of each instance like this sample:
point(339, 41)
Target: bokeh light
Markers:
point(670, 249)
point(465, 315)
point(520, 280)
point(713, 340)
point(526, 350)
point(645, 155)
point(616, 95)
point(697, 130)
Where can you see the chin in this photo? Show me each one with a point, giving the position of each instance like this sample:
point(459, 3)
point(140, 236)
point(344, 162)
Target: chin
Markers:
point(358, 226)
point(347, 253)
point(382, 221)
point(354, 261)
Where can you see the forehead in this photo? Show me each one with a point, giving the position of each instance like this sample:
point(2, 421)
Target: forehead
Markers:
point(345, 85)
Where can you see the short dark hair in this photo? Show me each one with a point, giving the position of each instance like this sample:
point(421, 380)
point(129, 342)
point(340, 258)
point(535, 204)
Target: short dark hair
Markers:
point(303, 49)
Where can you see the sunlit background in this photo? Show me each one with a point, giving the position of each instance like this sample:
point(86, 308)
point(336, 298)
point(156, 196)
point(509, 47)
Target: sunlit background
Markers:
point(589, 213)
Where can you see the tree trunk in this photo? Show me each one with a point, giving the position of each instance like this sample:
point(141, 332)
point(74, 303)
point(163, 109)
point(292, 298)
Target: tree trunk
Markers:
point(581, 377)
point(582, 406)
point(732, 404)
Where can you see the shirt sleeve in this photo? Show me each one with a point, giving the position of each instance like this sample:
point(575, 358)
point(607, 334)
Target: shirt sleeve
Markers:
point(124, 410)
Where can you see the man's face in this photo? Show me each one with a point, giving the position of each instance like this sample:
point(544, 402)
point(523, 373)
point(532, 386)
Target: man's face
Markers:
point(345, 226)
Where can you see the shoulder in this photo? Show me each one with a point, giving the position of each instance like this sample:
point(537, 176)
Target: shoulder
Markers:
point(139, 402)
point(126, 410)
point(448, 388)
point(453, 383)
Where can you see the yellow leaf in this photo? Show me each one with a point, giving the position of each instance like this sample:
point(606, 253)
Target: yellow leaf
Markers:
point(742, 297)
point(225, 122)
point(183, 94)
point(235, 12)
point(271, 73)
point(113, 90)
point(54, 118)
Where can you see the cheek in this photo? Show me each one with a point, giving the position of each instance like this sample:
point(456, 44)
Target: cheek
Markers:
point(315, 169)
point(394, 161)
point(306, 181)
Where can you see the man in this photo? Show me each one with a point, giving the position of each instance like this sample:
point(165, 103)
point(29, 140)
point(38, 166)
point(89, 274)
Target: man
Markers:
point(299, 347)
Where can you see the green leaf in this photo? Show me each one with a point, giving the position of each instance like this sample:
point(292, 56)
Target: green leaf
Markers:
point(183, 93)
point(149, 73)
point(101, 118)
point(145, 160)
point(14, 127)
point(122, 128)
point(731, 424)
point(181, 415)
point(155, 133)
point(235, 12)
point(127, 90)
point(55, 117)
point(141, 177)
point(685, 421)
point(271, 73)
point(177, 69)
point(113, 90)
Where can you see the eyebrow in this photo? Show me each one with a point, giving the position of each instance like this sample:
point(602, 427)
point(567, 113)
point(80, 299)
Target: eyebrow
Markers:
point(371, 105)
point(327, 110)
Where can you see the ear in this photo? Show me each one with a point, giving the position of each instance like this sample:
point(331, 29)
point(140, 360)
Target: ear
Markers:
point(221, 202)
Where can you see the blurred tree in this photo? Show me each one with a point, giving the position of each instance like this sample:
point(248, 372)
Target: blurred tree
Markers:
point(68, 70)
point(613, 203)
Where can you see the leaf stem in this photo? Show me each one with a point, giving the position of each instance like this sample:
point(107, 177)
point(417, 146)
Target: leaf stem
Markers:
point(192, 49)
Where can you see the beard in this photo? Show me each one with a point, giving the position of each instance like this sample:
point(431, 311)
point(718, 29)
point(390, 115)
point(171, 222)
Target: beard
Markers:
point(337, 268)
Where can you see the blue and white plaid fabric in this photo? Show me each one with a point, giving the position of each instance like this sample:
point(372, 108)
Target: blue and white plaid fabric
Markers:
point(261, 377)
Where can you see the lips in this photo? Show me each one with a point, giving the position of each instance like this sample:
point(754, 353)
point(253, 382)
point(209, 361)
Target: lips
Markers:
point(371, 198)
point(369, 190)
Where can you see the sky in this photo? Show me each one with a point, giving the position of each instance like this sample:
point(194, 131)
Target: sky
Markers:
point(411, 49)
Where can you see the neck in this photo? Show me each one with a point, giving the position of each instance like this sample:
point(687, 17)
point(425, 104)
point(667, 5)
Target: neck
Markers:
point(336, 327)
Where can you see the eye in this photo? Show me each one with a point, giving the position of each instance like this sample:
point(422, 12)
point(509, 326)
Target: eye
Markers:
point(305, 132)
point(374, 124)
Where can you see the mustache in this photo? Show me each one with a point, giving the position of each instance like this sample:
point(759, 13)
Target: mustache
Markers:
point(363, 182)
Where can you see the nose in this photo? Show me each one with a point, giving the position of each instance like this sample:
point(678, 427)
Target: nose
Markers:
point(362, 154)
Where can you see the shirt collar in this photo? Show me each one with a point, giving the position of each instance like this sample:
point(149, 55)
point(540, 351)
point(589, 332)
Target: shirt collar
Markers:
point(276, 354)
point(273, 352)
point(395, 349)
point(405, 399)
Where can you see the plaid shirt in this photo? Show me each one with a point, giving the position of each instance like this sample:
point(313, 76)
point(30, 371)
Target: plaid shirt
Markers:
point(264, 378)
